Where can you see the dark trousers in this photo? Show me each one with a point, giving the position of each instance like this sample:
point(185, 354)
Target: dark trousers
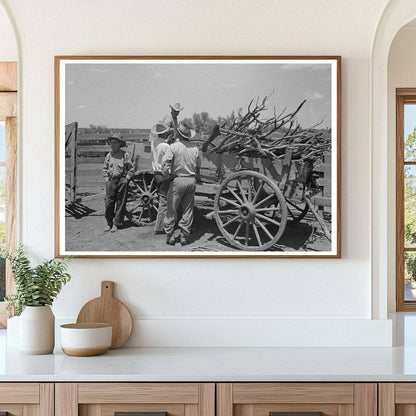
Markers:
point(115, 201)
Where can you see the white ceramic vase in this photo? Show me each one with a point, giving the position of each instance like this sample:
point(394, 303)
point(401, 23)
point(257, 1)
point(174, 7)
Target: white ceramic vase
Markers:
point(37, 330)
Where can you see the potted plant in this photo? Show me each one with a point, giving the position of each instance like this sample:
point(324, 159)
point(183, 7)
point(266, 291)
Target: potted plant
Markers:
point(36, 289)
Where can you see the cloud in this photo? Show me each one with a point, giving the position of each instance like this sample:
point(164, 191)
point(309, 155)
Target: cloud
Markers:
point(97, 69)
point(81, 107)
point(313, 96)
point(228, 86)
point(158, 75)
point(70, 82)
point(310, 67)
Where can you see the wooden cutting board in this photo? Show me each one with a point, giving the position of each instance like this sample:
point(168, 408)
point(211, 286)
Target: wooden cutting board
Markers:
point(107, 309)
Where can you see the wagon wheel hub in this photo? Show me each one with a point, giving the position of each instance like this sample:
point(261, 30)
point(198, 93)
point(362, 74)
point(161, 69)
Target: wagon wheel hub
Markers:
point(247, 212)
point(147, 198)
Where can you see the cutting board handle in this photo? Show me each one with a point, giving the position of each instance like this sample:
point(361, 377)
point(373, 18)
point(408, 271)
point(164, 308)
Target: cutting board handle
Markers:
point(107, 289)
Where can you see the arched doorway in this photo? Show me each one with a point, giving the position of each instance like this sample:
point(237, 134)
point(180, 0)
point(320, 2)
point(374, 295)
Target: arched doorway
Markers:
point(396, 14)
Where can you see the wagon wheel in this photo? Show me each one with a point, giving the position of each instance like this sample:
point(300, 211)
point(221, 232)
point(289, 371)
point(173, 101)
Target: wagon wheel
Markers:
point(250, 211)
point(142, 199)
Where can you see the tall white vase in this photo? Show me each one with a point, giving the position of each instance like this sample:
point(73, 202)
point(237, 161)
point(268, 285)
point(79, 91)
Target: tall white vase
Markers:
point(37, 330)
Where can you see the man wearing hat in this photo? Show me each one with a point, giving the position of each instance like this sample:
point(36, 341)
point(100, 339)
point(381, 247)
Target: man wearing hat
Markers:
point(117, 171)
point(171, 120)
point(162, 136)
point(181, 163)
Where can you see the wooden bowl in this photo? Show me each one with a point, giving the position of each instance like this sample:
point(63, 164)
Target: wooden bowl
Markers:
point(84, 340)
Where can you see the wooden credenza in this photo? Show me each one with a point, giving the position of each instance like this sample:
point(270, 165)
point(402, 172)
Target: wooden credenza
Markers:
point(208, 399)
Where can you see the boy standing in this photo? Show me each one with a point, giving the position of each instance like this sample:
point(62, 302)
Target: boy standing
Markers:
point(117, 171)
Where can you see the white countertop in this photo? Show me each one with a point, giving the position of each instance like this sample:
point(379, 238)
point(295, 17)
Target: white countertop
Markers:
point(213, 364)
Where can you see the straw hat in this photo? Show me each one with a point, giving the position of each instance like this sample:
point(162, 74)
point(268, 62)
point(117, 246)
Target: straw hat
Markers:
point(177, 107)
point(119, 137)
point(185, 131)
point(159, 128)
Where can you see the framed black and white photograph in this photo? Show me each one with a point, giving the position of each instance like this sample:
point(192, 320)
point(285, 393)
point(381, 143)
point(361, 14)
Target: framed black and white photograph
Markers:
point(198, 156)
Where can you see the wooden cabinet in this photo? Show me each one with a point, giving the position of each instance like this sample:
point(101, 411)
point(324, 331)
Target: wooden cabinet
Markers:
point(397, 399)
point(106, 399)
point(208, 399)
point(27, 399)
point(297, 399)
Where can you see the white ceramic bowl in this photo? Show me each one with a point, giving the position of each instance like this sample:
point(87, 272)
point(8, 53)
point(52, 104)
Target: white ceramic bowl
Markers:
point(83, 340)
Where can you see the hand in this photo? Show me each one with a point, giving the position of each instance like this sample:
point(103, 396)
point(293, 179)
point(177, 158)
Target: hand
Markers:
point(124, 181)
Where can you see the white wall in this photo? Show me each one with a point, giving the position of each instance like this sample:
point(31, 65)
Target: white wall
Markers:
point(181, 301)
point(8, 47)
point(401, 74)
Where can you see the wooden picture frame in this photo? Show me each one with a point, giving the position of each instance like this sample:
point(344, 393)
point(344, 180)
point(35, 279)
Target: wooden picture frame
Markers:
point(404, 96)
point(268, 175)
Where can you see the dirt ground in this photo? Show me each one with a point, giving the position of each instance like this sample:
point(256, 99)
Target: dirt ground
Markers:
point(85, 227)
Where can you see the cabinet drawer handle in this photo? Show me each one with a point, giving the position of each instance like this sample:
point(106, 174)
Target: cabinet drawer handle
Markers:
point(138, 414)
point(296, 414)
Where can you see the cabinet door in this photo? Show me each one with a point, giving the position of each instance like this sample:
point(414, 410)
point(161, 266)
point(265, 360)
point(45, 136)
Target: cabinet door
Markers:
point(26, 399)
point(397, 399)
point(143, 399)
point(297, 399)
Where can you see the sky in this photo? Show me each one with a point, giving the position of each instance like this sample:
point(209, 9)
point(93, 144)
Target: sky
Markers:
point(137, 95)
point(409, 119)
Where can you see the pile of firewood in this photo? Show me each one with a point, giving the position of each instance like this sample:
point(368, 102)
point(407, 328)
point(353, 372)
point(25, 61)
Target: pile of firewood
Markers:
point(250, 135)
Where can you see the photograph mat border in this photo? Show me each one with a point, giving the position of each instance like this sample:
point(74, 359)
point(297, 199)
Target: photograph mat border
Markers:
point(334, 61)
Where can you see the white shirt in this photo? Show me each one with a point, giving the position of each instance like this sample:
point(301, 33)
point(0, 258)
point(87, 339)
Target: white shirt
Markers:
point(184, 160)
point(158, 150)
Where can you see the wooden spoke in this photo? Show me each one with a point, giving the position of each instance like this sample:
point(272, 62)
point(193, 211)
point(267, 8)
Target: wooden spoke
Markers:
point(258, 193)
point(240, 187)
point(136, 206)
point(235, 195)
point(264, 229)
point(268, 209)
point(256, 232)
point(141, 214)
point(145, 184)
point(247, 233)
point(229, 211)
point(238, 229)
point(151, 183)
point(263, 217)
point(263, 201)
point(231, 221)
point(230, 202)
point(249, 189)
point(138, 187)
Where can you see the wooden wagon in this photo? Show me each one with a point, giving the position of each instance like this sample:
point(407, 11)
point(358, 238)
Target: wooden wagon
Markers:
point(251, 199)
